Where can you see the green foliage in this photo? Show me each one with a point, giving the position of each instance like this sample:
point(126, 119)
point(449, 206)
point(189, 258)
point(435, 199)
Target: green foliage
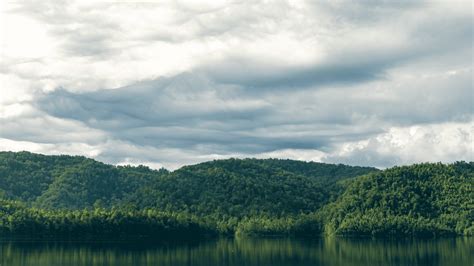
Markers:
point(69, 182)
point(249, 187)
point(422, 199)
point(25, 176)
point(72, 195)
point(94, 184)
point(17, 219)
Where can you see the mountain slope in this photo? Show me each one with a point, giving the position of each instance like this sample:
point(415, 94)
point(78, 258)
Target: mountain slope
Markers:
point(25, 176)
point(248, 187)
point(247, 196)
point(68, 182)
point(411, 200)
point(229, 187)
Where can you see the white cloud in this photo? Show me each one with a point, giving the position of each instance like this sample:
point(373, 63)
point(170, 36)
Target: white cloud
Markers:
point(444, 142)
point(50, 149)
point(327, 81)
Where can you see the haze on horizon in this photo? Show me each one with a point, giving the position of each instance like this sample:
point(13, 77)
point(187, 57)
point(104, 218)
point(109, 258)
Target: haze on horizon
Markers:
point(169, 83)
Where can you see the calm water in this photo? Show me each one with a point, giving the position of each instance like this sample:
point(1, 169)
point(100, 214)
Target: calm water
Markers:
point(325, 251)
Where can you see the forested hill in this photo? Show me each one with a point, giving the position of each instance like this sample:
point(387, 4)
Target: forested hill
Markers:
point(248, 187)
point(231, 187)
point(54, 194)
point(420, 199)
point(69, 182)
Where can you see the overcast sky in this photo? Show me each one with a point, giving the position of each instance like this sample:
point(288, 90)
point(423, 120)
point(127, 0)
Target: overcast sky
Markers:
point(166, 84)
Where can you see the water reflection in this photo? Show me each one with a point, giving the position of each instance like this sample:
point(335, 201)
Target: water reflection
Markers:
point(242, 251)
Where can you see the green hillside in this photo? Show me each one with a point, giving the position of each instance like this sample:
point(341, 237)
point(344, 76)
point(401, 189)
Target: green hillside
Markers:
point(68, 182)
point(246, 187)
point(421, 199)
point(73, 194)
point(26, 176)
point(229, 187)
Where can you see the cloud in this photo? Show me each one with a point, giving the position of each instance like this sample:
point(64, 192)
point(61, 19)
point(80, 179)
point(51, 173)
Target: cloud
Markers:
point(82, 29)
point(50, 149)
point(254, 74)
point(355, 51)
point(199, 119)
point(406, 145)
point(173, 83)
point(23, 122)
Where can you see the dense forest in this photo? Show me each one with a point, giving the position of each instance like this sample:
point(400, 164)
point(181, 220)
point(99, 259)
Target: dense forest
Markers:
point(19, 220)
point(422, 199)
point(76, 197)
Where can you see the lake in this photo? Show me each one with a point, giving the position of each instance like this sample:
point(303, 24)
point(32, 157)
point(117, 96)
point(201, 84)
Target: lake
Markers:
point(241, 251)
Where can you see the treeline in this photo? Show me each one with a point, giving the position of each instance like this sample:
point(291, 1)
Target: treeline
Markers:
point(16, 219)
point(76, 196)
point(19, 220)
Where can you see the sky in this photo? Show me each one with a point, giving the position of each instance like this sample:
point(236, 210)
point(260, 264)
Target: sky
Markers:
point(172, 83)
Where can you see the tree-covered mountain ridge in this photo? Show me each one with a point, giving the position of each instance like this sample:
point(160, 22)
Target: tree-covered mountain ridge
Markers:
point(245, 196)
point(76, 182)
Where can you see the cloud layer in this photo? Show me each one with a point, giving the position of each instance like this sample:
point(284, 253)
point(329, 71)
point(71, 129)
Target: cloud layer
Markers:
point(166, 84)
